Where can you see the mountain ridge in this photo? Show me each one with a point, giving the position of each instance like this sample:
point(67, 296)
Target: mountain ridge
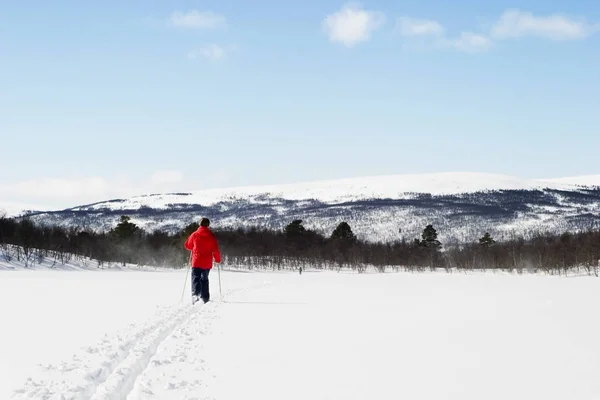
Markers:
point(379, 208)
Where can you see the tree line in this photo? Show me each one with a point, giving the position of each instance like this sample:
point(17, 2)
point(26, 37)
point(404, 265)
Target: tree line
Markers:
point(296, 246)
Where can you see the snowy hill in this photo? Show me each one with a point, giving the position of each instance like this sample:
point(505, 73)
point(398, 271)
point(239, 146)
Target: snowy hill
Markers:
point(461, 205)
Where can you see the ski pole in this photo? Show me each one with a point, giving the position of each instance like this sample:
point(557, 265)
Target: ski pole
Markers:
point(186, 277)
point(219, 272)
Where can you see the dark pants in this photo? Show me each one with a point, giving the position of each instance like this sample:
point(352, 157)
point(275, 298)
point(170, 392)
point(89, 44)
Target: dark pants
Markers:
point(200, 283)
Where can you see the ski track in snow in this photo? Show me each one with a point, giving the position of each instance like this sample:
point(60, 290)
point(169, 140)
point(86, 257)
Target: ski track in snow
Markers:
point(120, 382)
point(103, 371)
point(111, 370)
point(178, 364)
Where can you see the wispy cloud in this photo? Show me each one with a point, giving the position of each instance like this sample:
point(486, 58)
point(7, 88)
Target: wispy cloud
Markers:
point(212, 51)
point(432, 34)
point(352, 24)
point(57, 189)
point(418, 27)
point(470, 42)
point(197, 20)
point(73, 191)
point(514, 23)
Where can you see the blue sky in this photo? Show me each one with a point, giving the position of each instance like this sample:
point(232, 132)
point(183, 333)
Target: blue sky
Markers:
point(111, 99)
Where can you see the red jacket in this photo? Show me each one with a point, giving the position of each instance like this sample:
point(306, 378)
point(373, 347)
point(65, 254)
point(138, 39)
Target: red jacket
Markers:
point(204, 247)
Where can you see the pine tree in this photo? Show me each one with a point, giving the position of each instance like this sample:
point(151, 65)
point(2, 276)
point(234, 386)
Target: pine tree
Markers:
point(487, 241)
point(125, 229)
point(429, 237)
point(295, 228)
point(343, 232)
point(297, 236)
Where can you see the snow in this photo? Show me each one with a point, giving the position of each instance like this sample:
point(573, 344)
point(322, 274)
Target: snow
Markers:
point(340, 190)
point(12, 209)
point(10, 260)
point(48, 315)
point(587, 180)
point(320, 335)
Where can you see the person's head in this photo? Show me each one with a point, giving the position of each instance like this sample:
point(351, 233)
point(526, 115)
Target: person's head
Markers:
point(205, 222)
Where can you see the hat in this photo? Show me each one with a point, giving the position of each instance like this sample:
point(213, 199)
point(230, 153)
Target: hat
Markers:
point(204, 222)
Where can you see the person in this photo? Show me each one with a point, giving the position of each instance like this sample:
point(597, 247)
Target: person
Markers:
point(204, 247)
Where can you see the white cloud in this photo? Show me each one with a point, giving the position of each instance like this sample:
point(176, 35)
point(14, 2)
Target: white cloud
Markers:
point(62, 188)
point(211, 51)
point(197, 20)
point(434, 35)
point(352, 25)
point(54, 193)
point(469, 42)
point(515, 23)
point(419, 27)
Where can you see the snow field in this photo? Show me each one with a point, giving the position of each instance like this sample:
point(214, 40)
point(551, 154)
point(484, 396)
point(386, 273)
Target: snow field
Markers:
point(45, 316)
point(322, 335)
point(328, 336)
point(104, 370)
point(104, 319)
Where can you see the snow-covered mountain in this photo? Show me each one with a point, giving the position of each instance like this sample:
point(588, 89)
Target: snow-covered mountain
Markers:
point(460, 205)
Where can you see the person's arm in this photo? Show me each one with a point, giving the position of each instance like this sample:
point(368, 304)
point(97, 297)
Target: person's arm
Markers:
point(189, 243)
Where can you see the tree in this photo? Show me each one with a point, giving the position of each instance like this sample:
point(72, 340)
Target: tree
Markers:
point(301, 240)
point(342, 242)
point(7, 228)
point(27, 235)
point(429, 238)
point(486, 241)
point(343, 232)
point(125, 229)
point(3, 222)
point(294, 229)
